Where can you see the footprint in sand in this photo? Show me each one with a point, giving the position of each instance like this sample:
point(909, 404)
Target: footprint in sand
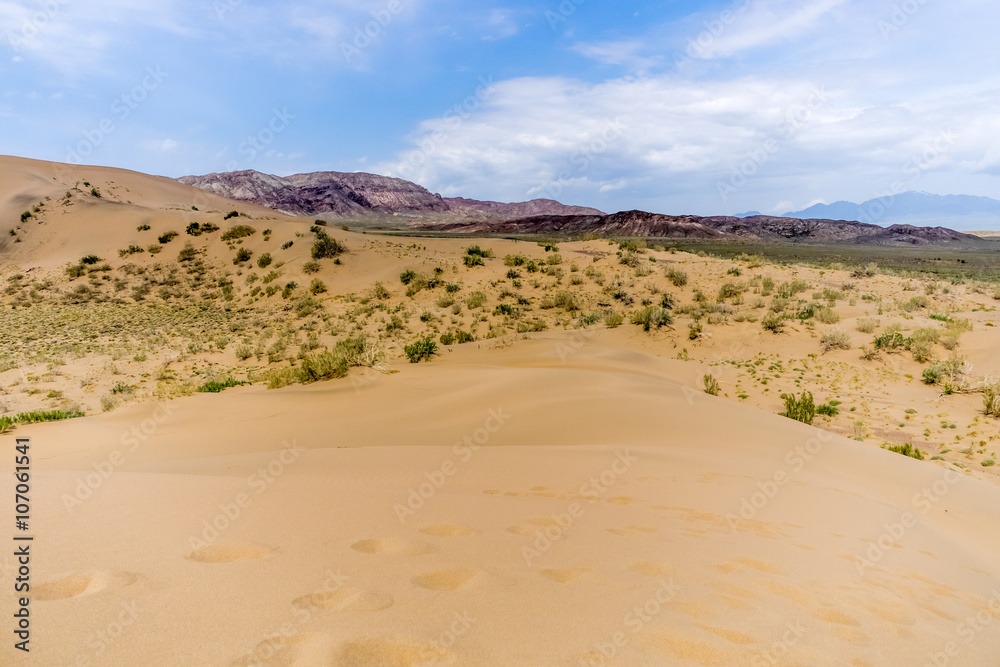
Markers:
point(564, 576)
point(742, 564)
point(731, 636)
point(393, 546)
point(385, 652)
point(229, 553)
point(79, 584)
point(650, 569)
point(305, 648)
point(448, 530)
point(345, 599)
point(445, 580)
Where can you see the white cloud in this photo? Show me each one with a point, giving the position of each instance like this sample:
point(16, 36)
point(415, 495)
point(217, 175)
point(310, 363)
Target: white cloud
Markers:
point(627, 54)
point(568, 139)
point(763, 23)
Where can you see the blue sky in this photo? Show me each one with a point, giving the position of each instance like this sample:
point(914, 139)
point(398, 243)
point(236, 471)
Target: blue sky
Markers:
point(675, 107)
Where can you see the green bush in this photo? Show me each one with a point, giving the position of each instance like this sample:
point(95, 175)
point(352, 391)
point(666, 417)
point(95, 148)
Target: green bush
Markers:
point(326, 247)
point(800, 409)
point(317, 286)
point(242, 255)
point(231, 214)
point(473, 260)
point(677, 277)
point(90, 259)
point(194, 229)
point(187, 253)
point(238, 232)
point(773, 322)
point(711, 385)
point(907, 450)
point(167, 237)
point(421, 350)
point(264, 260)
point(214, 387)
point(651, 316)
point(891, 342)
point(447, 338)
point(475, 300)
point(131, 250)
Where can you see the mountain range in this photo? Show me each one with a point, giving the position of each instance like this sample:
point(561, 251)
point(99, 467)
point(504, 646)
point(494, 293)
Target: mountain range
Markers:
point(358, 194)
point(963, 212)
point(393, 203)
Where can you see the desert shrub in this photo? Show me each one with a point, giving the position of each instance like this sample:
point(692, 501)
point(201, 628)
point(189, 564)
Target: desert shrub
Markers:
point(827, 315)
point(513, 274)
point(907, 450)
point(729, 291)
point(991, 396)
point(408, 276)
point(265, 260)
point(90, 260)
point(242, 255)
point(711, 385)
point(789, 290)
point(651, 316)
point(891, 342)
point(447, 338)
point(187, 253)
point(167, 237)
point(231, 214)
point(326, 247)
point(554, 259)
point(835, 339)
point(867, 324)
point(828, 409)
point(76, 271)
point(916, 303)
point(214, 386)
point(800, 409)
point(194, 229)
point(613, 320)
point(766, 286)
point(154, 249)
point(629, 259)
point(238, 232)
point(562, 299)
point(244, 352)
point(37, 417)
point(317, 286)
point(473, 260)
point(310, 267)
point(677, 277)
point(773, 322)
point(476, 251)
point(464, 337)
point(420, 350)
point(514, 260)
point(131, 250)
point(475, 300)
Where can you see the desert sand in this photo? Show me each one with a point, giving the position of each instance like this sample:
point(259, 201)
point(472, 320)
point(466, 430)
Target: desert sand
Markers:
point(564, 495)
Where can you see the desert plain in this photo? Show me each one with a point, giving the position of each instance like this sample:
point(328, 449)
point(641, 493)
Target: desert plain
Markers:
point(259, 439)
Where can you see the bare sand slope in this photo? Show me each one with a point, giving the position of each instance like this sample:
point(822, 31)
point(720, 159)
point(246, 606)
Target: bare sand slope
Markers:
point(547, 504)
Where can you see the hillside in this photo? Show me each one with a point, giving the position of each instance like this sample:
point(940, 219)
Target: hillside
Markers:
point(721, 228)
point(358, 194)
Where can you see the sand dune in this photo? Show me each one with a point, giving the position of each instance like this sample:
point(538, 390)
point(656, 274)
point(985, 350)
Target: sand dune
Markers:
point(566, 495)
point(505, 507)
